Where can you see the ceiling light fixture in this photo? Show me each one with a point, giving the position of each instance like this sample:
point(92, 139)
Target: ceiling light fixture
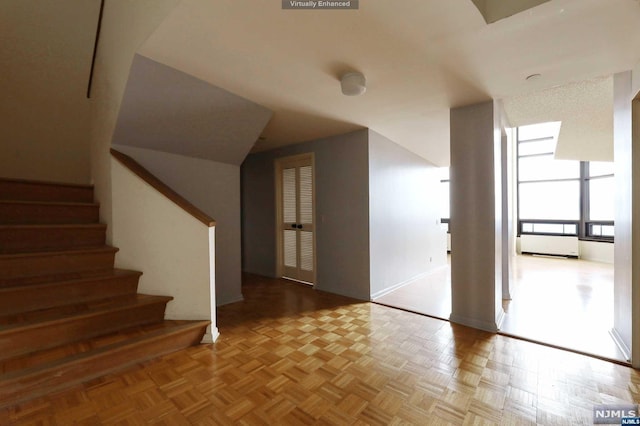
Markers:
point(353, 84)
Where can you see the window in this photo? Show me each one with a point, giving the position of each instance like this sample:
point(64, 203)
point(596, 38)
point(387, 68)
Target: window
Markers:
point(561, 197)
point(600, 188)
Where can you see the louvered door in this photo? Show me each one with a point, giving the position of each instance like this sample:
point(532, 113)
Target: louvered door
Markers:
point(296, 224)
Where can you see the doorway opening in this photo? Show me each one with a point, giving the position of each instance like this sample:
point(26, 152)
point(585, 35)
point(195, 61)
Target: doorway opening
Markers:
point(563, 273)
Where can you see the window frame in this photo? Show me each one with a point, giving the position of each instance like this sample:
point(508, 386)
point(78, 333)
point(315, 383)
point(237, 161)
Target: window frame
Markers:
point(584, 226)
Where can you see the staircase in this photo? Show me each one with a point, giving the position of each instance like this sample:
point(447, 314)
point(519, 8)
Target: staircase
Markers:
point(66, 315)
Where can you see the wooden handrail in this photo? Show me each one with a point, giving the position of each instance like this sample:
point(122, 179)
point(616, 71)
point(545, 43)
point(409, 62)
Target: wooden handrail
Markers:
point(162, 188)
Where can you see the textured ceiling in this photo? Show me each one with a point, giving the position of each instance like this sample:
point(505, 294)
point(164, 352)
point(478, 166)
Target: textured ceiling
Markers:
point(585, 110)
point(420, 57)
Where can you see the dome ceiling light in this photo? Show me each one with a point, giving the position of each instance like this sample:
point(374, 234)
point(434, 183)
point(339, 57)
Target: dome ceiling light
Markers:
point(353, 84)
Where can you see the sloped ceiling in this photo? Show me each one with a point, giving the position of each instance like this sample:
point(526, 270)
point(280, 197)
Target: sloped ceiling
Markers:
point(420, 58)
point(494, 10)
point(164, 109)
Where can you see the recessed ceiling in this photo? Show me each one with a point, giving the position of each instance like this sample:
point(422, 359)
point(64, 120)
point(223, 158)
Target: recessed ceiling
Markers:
point(420, 59)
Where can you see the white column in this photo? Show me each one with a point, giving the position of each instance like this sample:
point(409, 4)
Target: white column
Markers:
point(476, 216)
point(626, 131)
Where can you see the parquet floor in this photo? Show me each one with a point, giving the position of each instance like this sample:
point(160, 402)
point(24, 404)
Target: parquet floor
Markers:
point(289, 355)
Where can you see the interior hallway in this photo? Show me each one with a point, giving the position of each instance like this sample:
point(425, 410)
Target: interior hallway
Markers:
point(291, 355)
point(562, 302)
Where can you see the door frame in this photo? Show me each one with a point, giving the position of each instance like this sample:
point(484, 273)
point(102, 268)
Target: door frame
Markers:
point(279, 164)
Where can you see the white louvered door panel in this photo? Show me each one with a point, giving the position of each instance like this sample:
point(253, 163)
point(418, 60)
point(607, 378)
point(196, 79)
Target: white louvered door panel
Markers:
point(296, 218)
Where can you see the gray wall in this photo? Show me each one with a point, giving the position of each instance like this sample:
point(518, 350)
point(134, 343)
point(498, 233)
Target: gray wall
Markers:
point(215, 189)
point(342, 199)
point(476, 272)
point(167, 110)
point(406, 240)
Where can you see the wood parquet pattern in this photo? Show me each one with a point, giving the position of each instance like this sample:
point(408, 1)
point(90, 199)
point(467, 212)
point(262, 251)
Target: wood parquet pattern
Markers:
point(289, 355)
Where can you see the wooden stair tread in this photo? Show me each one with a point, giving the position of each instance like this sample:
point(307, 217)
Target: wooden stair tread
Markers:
point(67, 313)
point(49, 203)
point(35, 238)
point(101, 249)
point(35, 360)
point(68, 276)
point(28, 297)
point(37, 333)
point(60, 252)
point(21, 385)
point(23, 189)
point(45, 183)
point(20, 267)
point(84, 276)
point(45, 212)
point(53, 226)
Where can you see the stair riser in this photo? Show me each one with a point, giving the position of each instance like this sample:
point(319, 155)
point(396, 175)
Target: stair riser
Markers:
point(45, 214)
point(30, 298)
point(50, 334)
point(26, 191)
point(31, 386)
point(24, 240)
point(16, 269)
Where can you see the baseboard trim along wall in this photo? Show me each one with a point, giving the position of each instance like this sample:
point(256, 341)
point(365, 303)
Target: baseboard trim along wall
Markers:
point(403, 283)
point(620, 343)
point(211, 335)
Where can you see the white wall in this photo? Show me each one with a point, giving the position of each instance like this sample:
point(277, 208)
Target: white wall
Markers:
point(625, 176)
point(125, 25)
point(172, 248)
point(596, 251)
point(476, 259)
point(215, 189)
point(405, 237)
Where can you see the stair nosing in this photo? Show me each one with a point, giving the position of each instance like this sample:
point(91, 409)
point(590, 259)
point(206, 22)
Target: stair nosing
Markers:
point(52, 225)
point(47, 183)
point(96, 249)
point(126, 273)
point(146, 300)
point(49, 203)
point(88, 355)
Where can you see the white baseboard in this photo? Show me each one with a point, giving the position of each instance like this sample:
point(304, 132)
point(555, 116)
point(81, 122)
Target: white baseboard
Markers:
point(211, 335)
point(490, 326)
point(620, 344)
point(500, 319)
point(403, 283)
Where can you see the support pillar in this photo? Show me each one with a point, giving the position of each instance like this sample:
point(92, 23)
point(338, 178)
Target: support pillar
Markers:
point(626, 132)
point(476, 216)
